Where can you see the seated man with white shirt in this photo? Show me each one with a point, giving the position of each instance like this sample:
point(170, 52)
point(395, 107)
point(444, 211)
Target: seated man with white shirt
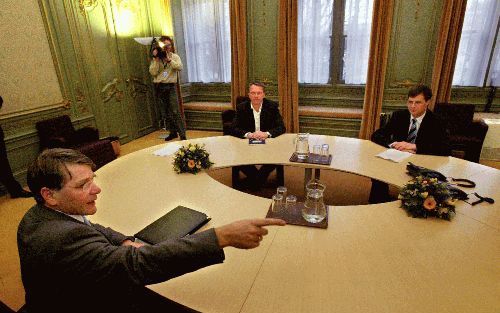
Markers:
point(416, 130)
point(258, 118)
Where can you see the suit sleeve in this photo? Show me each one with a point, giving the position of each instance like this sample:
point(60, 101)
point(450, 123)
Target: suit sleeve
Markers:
point(239, 127)
point(384, 135)
point(97, 260)
point(278, 127)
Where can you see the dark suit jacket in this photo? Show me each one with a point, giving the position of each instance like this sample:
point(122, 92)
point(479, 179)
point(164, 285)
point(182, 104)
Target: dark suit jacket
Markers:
point(68, 266)
point(270, 119)
point(431, 136)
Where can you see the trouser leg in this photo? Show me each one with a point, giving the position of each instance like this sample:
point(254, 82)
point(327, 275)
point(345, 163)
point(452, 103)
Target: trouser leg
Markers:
point(6, 175)
point(173, 112)
point(379, 192)
point(264, 172)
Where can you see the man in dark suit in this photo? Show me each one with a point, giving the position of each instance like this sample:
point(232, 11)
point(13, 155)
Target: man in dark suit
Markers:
point(258, 118)
point(6, 177)
point(71, 265)
point(416, 130)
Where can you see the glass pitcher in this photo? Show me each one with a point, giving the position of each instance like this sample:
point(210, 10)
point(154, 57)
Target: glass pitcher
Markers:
point(302, 145)
point(314, 210)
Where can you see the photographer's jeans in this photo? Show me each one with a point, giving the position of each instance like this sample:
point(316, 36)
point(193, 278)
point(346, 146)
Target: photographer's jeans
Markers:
point(169, 107)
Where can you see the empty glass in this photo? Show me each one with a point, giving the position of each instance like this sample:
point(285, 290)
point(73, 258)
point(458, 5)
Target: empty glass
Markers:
point(291, 200)
point(317, 149)
point(281, 190)
point(324, 149)
point(277, 204)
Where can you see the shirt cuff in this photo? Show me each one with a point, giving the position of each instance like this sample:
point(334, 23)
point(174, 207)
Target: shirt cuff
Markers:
point(246, 135)
point(269, 134)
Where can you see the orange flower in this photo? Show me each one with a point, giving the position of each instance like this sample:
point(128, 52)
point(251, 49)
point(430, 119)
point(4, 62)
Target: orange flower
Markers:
point(191, 163)
point(430, 203)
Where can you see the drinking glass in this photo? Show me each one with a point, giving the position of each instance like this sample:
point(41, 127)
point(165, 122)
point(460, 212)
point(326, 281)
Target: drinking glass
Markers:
point(324, 149)
point(317, 149)
point(281, 190)
point(277, 204)
point(291, 200)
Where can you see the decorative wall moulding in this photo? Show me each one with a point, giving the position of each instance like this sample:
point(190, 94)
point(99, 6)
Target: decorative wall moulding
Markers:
point(87, 5)
point(111, 90)
point(407, 83)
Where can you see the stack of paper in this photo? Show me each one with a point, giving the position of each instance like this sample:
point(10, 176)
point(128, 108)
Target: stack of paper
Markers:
point(394, 155)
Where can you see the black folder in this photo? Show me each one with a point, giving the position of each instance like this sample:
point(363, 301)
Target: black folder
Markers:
point(177, 223)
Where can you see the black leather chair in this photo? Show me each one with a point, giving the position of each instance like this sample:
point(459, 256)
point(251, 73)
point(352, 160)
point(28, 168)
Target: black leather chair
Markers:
point(466, 135)
point(227, 121)
point(59, 132)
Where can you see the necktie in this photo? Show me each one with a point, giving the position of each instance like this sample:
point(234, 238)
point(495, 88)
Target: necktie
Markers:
point(412, 134)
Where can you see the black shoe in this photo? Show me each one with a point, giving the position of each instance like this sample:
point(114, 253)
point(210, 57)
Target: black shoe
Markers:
point(183, 137)
point(21, 194)
point(171, 136)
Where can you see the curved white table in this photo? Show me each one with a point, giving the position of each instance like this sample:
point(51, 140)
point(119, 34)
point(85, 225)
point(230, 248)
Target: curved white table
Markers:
point(372, 258)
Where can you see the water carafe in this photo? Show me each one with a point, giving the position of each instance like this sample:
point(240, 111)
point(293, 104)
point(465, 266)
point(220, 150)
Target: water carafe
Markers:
point(314, 210)
point(302, 145)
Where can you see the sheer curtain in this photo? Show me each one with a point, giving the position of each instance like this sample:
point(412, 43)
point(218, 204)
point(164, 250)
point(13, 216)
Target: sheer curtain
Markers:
point(313, 33)
point(314, 40)
point(207, 39)
point(476, 42)
point(357, 28)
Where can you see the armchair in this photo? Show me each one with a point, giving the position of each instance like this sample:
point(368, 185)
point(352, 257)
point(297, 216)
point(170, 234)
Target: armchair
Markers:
point(466, 135)
point(59, 132)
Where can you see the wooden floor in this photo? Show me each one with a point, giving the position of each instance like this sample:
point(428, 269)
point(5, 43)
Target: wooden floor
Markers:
point(353, 190)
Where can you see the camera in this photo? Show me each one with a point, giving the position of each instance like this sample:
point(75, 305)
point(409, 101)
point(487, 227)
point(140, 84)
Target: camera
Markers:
point(160, 52)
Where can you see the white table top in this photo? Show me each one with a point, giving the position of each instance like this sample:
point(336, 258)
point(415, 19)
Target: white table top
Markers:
point(372, 258)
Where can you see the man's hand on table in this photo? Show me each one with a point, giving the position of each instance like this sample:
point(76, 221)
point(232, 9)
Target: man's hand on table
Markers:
point(245, 234)
point(258, 135)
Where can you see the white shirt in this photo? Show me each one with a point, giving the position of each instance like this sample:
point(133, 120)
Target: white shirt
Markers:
point(256, 117)
point(419, 121)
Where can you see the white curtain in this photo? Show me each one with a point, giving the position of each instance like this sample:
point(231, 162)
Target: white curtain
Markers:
point(314, 40)
point(207, 40)
point(314, 33)
point(476, 42)
point(357, 28)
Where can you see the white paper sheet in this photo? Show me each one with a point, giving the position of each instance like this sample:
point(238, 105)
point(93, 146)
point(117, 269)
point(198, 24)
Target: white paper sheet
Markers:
point(394, 155)
point(168, 150)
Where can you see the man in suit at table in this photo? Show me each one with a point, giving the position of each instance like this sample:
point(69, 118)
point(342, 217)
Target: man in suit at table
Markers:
point(257, 118)
point(71, 265)
point(415, 130)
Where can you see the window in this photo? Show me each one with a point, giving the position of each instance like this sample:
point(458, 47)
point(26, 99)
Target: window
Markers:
point(207, 40)
point(478, 56)
point(334, 41)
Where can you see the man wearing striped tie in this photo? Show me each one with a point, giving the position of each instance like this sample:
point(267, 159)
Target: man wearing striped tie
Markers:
point(416, 130)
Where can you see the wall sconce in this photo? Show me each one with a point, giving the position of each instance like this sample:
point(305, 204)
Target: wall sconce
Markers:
point(87, 5)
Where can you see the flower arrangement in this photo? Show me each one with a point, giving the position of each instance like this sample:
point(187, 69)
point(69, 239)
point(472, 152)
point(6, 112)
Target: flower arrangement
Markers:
point(191, 159)
point(423, 196)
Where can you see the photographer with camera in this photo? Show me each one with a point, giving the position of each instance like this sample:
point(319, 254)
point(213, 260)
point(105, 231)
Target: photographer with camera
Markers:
point(164, 68)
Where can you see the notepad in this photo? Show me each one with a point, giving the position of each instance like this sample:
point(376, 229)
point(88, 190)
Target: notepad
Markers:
point(394, 155)
point(177, 223)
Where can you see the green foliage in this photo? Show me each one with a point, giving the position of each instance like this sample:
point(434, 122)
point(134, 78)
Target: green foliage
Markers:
point(423, 197)
point(191, 159)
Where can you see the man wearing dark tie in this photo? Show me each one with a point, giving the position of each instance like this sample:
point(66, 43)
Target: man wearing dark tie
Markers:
point(415, 130)
point(258, 118)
